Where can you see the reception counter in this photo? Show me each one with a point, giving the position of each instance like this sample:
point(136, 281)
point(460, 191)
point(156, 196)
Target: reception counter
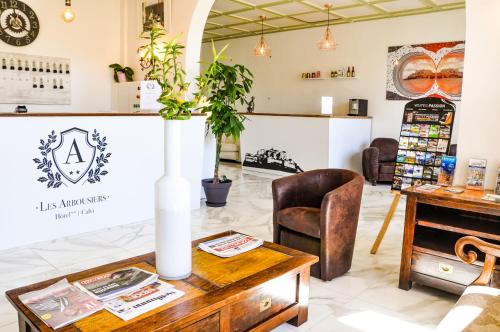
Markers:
point(282, 144)
point(69, 173)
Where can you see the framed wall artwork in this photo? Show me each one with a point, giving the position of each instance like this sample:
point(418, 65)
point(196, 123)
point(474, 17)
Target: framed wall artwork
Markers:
point(417, 71)
point(151, 11)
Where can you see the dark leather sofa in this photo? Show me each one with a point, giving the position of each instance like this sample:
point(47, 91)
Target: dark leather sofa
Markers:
point(317, 212)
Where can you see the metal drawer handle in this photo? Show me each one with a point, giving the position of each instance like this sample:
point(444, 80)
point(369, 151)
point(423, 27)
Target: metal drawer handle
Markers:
point(445, 268)
point(265, 304)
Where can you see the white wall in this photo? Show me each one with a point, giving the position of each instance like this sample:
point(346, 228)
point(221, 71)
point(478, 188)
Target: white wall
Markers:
point(92, 42)
point(277, 86)
point(479, 124)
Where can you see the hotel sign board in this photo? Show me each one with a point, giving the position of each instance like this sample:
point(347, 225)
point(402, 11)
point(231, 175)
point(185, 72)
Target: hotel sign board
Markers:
point(74, 174)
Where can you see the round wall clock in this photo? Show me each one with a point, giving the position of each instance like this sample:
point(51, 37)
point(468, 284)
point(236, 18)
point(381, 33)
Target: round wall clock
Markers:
point(19, 24)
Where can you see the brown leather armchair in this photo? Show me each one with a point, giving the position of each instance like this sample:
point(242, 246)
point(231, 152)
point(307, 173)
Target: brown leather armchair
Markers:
point(317, 212)
point(379, 160)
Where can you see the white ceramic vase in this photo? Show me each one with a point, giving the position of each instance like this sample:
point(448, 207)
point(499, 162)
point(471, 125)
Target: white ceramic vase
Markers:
point(173, 210)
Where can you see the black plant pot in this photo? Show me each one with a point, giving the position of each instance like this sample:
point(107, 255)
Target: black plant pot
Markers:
point(216, 193)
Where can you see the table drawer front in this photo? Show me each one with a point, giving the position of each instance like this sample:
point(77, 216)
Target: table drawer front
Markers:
point(272, 298)
point(210, 323)
point(445, 268)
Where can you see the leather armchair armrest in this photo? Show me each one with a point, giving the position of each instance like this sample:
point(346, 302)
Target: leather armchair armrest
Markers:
point(370, 163)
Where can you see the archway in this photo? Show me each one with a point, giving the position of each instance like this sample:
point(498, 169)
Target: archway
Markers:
point(189, 21)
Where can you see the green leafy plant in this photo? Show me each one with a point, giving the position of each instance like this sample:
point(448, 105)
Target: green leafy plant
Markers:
point(224, 86)
point(162, 59)
point(117, 68)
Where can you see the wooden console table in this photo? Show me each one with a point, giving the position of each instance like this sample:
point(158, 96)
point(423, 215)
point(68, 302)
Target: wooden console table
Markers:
point(255, 291)
point(434, 222)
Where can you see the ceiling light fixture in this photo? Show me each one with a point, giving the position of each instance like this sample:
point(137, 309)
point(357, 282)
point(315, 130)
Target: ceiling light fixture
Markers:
point(327, 43)
point(262, 48)
point(68, 15)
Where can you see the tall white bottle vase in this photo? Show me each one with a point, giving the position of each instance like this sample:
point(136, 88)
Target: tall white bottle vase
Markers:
point(173, 210)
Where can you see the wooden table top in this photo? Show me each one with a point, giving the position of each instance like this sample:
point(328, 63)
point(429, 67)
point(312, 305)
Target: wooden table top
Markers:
point(467, 198)
point(215, 282)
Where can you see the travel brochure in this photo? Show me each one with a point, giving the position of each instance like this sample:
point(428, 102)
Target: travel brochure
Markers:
point(424, 142)
point(475, 174)
point(497, 189)
point(447, 171)
point(126, 293)
point(231, 245)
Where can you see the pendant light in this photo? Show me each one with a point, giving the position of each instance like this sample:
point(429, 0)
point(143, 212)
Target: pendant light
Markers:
point(327, 43)
point(262, 48)
point(68, 15)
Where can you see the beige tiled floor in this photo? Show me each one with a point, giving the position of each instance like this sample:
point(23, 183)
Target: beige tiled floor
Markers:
point(366, 299)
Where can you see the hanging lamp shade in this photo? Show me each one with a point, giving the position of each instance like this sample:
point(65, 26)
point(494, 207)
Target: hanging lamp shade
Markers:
point(262, 48)
point(327, 42)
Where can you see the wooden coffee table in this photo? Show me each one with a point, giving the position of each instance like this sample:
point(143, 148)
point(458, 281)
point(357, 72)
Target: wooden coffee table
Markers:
point(255, 291)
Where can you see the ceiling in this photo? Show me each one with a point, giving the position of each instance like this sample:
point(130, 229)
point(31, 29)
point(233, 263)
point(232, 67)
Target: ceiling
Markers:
point(240, 18)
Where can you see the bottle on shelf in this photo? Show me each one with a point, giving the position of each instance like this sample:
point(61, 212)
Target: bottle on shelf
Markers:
point(318, 74)
point(349, 71)
point(353, 72)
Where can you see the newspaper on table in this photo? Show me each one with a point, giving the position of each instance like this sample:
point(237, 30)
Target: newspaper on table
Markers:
point(115, 283)
point(60, 304)
point(140, 301)
point(231, 245)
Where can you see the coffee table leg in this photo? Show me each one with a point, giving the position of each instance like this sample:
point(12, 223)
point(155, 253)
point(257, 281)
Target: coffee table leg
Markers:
point(302, 298)
point(23, 325)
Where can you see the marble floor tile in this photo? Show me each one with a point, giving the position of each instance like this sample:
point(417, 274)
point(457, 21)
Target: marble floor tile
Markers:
point(365, 299)
point(16, 264)
point(66, 251)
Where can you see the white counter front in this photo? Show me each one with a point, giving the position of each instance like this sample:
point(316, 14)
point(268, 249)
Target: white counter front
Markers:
point(285, 143)
point(64, 174)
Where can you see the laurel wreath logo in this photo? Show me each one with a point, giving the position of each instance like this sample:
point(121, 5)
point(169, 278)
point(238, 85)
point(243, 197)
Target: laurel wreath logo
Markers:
point(53, 179)
point(94, 175)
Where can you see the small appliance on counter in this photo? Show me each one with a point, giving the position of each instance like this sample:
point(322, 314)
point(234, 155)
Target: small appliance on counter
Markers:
point(358, 107)
point(21, 109)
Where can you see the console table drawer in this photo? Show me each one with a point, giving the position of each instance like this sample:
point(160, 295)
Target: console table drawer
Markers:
point(267, 301)
point(444, 268)
point(210, 323)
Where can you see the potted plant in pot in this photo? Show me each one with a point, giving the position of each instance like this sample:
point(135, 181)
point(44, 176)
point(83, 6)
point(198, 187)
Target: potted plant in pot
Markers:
point(172, 190)
point(122, 74)
point(226, 85)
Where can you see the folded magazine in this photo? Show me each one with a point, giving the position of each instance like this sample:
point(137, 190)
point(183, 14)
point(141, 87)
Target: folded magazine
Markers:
point(112, 284)
point(231, 245)
point(60, 304)
point(140, 301)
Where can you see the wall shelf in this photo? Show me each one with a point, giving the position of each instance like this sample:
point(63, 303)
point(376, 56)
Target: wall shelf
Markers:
point(329, 78)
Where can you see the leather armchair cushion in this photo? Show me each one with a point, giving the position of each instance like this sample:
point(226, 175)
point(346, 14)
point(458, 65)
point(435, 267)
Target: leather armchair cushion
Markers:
point(387, 167)
point(303, 220)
